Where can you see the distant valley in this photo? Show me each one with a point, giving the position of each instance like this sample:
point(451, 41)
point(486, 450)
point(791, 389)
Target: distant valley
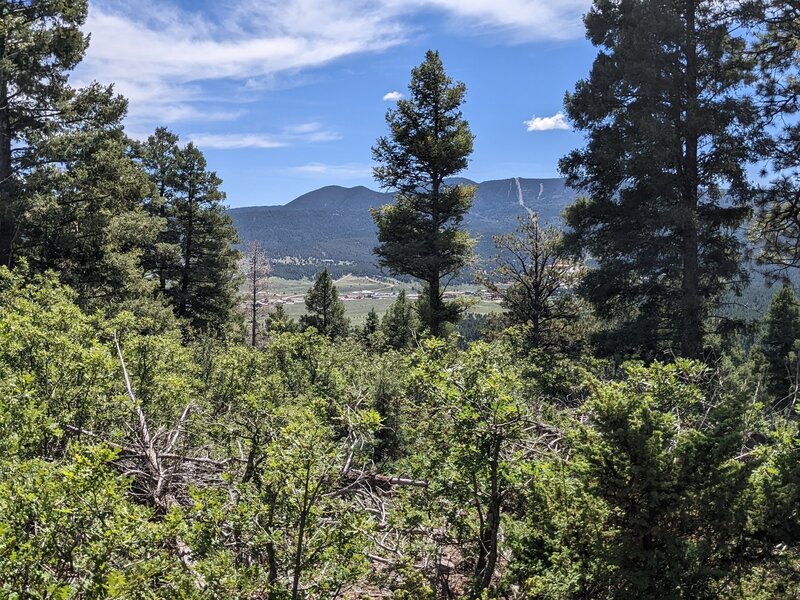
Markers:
point(332, 225)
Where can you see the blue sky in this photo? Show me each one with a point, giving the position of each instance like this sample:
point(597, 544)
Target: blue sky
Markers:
point(285, 96)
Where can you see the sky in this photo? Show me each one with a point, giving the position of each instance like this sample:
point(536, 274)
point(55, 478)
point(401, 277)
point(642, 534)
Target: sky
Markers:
point(286, 96)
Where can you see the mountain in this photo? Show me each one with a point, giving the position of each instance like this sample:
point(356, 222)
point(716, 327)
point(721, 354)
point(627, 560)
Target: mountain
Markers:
point(332, 225)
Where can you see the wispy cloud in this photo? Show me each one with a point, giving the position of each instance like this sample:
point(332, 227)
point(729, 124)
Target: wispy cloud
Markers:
point(348, 171)
point(392, 96)
point(234, 141)
point(304, 133)
point(167, 60)
point(519, 20)
point(557, 121)
point(163, 57)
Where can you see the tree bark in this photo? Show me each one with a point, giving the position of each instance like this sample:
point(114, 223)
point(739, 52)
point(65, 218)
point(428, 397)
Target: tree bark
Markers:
point(301, 532)
point(434, 283)
point(487, 545)
point(435, 306)
point(254, 282)
point(187, 254)
point(691, 333)
point(8, 225)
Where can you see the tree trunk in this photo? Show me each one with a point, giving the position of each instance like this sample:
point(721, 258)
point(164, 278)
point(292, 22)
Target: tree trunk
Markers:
point(254, 274)
point(8, 225)
point(162, 211)
point(691, 327)
point(183, 306)
point(487, 545)
point(434, 283)
point(301, 532)
point(272, 557)
point(435, 307)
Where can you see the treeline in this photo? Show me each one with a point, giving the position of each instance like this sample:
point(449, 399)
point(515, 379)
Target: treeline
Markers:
point(124, 223)
point(615, 433)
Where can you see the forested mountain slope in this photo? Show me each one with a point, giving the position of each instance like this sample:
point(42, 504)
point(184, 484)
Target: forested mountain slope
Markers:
point(333, 223)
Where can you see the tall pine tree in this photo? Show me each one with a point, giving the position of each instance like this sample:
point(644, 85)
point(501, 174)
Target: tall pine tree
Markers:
point(70, 196)
point(40, 43)
point(421, 233)
point(670, 134)
point(158, 156)
point(777, 230)
point(84, 217)
point(193, 258)
point(206, 290)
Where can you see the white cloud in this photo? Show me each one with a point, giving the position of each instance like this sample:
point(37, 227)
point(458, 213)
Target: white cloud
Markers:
point(304, 133)
point(311, 132)
point(518, 20)
point(557, 121)
point(392, 96)
point(235, 141)
point(304, 128)
point(163, 63)
point(162, 57)
point(348, 171)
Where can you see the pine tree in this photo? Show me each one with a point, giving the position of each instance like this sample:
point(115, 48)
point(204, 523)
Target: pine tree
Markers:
point(279, 322)
point(40, 43)
point(371, 327)
point(158, 156)
point(70, 196)
point(420, 234)
point(207, 288)
point(780, 341)
point(652, 500)
point(399, 324)
point(777, 230)
point(193, 259)
point(85, 219)
point(325, 310)
point(372, 322)
point(669, 136)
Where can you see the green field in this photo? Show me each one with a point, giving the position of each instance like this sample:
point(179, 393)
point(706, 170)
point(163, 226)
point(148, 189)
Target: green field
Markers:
point(292, 292)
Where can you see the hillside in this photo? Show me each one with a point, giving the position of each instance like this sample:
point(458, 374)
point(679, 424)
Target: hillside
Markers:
point(332, 225)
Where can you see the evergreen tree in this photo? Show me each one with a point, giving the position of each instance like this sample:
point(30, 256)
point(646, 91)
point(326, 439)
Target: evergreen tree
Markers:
point(41, 42)
point(652, 502)
point(669, 135)
point(777, 230)
point(158, 157)
point(420, 234)
point(207, 288)
point(84, 217)
point(399, 324)
point(325, 310)
point(372, 323)
point(70, 196)
point(371, 327)
point(278, 321)
point(193, 258)
point(780, 342)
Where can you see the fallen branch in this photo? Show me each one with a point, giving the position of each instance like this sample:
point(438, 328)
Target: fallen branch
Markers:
point(162, 496)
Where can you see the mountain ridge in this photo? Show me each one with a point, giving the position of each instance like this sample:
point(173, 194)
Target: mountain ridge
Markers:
point(332, 226)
